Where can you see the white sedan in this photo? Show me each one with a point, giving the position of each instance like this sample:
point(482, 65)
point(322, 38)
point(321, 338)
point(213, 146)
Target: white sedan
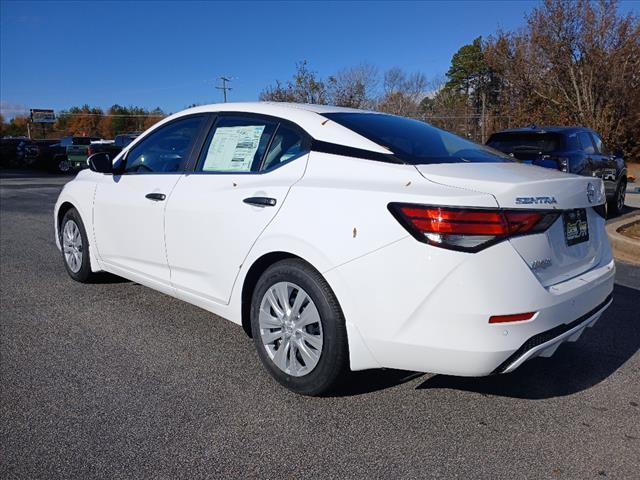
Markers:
point(346, 240)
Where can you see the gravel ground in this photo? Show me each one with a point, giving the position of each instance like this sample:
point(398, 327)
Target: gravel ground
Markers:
point(114, 380)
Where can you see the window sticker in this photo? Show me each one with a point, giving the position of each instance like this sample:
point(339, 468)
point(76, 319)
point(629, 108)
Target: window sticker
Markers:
point(233, 148)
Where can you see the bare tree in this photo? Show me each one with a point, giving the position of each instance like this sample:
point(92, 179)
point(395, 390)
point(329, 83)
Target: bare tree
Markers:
point(304, 87)
point(576, 62)
point(402, 93)
point(354, 87)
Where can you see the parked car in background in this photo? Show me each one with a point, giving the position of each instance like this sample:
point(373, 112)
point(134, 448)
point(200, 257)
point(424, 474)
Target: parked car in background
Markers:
point(46, 148)
point(569, 149)
point(71, 153)
point(112, 147)
point(18, 152)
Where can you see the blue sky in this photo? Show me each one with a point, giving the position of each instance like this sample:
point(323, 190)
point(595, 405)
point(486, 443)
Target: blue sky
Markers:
point(168, 54)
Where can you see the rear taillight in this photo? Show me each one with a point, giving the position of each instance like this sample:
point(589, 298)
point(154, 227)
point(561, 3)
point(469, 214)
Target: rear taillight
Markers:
point(468, 229)
point(563, 164)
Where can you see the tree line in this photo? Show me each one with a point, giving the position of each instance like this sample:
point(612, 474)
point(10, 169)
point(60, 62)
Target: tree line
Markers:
point(88, 121)
point(574, 62)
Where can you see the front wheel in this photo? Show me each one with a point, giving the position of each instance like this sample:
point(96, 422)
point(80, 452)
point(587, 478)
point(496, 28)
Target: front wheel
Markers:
point(298, 328)
point(75, 247)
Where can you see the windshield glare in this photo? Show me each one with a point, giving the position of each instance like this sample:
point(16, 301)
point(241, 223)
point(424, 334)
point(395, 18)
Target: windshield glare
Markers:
point(416, 142)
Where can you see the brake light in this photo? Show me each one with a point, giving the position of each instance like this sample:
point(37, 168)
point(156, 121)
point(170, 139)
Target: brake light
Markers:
point(468, 229)
point(563, 164)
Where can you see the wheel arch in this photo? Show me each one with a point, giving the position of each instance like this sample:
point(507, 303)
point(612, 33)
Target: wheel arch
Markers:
point(258, 267)
point(62, 210)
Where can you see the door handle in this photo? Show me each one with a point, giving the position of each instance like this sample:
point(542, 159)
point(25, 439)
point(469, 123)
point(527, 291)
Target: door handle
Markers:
point(261, 201)
point(156, 197)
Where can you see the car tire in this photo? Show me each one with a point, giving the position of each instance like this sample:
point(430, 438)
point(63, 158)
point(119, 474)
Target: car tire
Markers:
point(616, 204)
point(75, 247)
point(302, 344)
point(61, 164)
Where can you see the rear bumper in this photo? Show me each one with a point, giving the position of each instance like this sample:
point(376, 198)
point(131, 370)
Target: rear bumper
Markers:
point(545, 344)
point(426, 309)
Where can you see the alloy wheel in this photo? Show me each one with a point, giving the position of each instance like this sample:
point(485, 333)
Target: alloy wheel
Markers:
point(290, 329)
point(72, 246)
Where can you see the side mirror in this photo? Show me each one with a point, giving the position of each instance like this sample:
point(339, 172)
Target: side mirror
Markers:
point(100, 162)
point(618, 153)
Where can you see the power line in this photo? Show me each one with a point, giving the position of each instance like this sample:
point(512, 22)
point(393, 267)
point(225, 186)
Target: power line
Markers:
point(224, 86)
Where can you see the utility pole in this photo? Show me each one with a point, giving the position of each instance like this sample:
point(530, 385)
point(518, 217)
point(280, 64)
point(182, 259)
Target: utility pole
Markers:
point(224, 87)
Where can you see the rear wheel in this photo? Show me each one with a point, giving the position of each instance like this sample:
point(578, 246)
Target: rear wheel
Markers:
point(75, 247)
point(616, 205)
point(61, 164)
point(298, 328)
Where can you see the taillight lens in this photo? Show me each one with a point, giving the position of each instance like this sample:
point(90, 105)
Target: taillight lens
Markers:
point(563, 163)
point(468, 229)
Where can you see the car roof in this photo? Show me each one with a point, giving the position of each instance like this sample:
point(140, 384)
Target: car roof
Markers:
point(307, 116)
point(545, 129)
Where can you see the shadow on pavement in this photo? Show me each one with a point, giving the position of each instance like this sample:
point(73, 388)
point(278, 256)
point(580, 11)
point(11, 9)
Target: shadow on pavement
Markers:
point(368, 381)
point(105, 278)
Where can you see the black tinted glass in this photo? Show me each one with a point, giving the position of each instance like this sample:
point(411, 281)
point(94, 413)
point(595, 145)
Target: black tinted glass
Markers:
point(530, 142)
point(586, 142)
point(165, 150)
point(287, 144)
point(600, 147)
point(416, 142)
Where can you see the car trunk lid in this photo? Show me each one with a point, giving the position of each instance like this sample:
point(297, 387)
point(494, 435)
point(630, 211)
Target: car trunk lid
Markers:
point(551, 256)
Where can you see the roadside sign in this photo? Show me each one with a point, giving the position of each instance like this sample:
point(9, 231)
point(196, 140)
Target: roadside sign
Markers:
point(40, 115)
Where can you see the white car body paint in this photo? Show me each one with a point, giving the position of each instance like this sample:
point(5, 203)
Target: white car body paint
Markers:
point(407, 305)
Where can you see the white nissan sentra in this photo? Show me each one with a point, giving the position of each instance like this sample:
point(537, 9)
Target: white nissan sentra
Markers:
point(346, 240)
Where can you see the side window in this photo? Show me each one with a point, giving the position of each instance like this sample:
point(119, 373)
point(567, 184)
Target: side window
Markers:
point(586, 143)
point(236, 144)
point(165, 150)
point(600, 147)
point(287, 144)
point(571, 142)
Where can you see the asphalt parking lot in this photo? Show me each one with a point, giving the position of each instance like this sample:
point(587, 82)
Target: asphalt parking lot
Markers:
point(114, 380)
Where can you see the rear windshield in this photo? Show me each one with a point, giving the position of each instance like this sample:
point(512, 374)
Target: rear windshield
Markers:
point(514, 142)
point(416, 142)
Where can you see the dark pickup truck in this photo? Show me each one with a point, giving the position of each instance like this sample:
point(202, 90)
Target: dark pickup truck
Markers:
point(112, 148)
point(70, 153)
